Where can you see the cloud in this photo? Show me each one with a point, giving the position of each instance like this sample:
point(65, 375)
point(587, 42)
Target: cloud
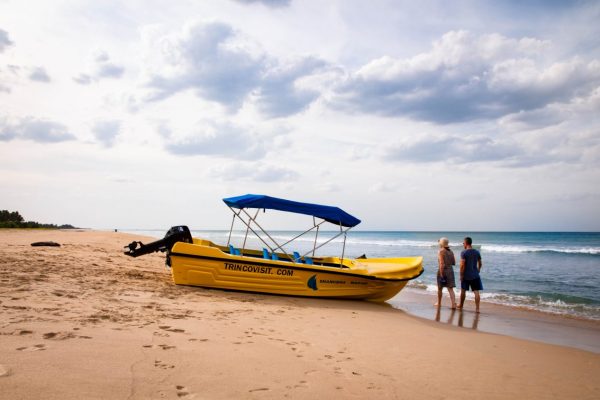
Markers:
point(215, 62)
point(453, 149)
point(14, 74)
point(83, 79)
point(110, 70)
point(4, 40)
point(279, 93)
point(211, 63)
point(579, 110)
point(268, 3)
point(102, 67)
point(34, 129)
point(6, 75)
point(106, 132)
point(39, 74)
point(465, 78)
point(384, 187)
point(224, 140)
point(257, 172)
point(520, 152)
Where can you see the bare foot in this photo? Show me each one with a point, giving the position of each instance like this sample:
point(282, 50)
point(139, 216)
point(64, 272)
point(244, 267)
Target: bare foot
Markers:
point(436, 304)
point(459, 307)
point(477, 311)
point(453, 308)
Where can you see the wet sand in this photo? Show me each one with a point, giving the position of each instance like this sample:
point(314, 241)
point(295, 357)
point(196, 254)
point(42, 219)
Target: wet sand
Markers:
point(84, 321)
point(494, 318)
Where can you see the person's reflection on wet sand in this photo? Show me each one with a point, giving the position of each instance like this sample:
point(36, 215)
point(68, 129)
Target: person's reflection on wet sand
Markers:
point(475, 320)
point(451, 317)
point(438, 315)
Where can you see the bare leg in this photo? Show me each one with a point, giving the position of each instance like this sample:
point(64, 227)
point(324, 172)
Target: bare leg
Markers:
point(476, 300)
point(463, 295)
point(439, 302)
point(452, 297)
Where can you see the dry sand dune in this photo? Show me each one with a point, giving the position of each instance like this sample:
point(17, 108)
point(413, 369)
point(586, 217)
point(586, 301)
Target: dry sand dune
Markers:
point(84, 321)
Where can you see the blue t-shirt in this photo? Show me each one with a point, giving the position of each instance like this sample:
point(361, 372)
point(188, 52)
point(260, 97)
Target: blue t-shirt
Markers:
point(471, 257)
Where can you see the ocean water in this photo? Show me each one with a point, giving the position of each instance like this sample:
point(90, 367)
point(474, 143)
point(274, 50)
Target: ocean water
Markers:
point(554, 272)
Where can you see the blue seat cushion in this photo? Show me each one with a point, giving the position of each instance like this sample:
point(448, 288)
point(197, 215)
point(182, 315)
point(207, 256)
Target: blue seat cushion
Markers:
point(297, 257)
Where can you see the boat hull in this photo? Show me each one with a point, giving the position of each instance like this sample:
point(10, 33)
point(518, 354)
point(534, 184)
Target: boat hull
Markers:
point(208, 266)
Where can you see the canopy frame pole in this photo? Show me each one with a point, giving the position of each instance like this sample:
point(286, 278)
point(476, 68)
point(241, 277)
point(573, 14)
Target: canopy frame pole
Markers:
point(303, 233)
point(231, 229)
point(266, 233)
point(316, 236)
point(343, 248)
point(324, 243)
point(253, 231)
point(247, 229)
point(278, 246)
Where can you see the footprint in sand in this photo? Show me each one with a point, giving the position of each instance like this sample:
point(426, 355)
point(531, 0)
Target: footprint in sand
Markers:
point(168, 328)
point(181, 391)
point(37, 347)
point(160, 364)
point(259, 389)
point(301, 384)
point(58, 335)
point(166, 347)
point(4, 371)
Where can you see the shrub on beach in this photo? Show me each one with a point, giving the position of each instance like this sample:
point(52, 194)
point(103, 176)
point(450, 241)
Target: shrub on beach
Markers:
point(12, 219)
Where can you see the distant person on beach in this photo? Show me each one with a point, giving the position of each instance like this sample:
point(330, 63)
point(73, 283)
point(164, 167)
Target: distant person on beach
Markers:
point(470, 266)
point(445, 275)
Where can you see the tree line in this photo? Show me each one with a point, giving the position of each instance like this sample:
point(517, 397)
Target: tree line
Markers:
point(12, 219)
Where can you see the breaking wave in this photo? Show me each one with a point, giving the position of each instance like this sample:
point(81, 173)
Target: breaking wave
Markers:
point(540, 249)
point(554, 304)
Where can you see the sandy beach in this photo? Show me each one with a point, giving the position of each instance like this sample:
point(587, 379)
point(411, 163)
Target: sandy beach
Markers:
point(84, 321)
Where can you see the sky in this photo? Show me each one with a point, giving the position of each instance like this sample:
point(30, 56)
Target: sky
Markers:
point(430, 115)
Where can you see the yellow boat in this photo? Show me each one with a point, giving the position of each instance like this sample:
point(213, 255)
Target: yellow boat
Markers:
point(200, 262)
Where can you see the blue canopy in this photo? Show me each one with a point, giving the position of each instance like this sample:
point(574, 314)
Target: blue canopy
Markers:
point(331, 214)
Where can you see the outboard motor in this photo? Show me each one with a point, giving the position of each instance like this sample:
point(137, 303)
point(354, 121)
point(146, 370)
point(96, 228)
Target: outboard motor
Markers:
point(173, 235)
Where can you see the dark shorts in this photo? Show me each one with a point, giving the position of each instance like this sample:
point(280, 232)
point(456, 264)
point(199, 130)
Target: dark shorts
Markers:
point(473, 284)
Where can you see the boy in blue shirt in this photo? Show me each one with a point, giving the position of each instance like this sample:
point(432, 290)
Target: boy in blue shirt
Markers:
point(470, 266)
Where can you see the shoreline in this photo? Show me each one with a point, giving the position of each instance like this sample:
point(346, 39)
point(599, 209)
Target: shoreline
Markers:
point(75, 317)
point(517, 322)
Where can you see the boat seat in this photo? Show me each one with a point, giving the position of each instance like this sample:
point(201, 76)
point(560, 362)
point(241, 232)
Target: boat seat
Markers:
point(308, 260)
point(234, 252)
point(266, 255)
point(297, 258)
point(274, 256)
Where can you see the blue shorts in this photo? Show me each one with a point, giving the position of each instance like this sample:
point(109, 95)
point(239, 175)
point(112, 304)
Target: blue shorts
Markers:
point(473, 284)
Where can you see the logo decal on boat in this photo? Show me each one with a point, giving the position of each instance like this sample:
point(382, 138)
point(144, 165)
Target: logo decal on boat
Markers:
point(312, 282)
